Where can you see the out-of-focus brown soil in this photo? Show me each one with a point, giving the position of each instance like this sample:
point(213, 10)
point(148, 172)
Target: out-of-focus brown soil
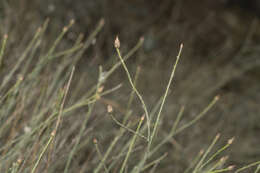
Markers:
point(220, 57)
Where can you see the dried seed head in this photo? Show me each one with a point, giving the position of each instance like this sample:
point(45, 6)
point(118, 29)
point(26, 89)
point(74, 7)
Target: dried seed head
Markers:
point(217, 97)
point(181, 46)
point(20, 77)
point(27, 129)
point(19, 161)
point(95, 141)
point(53, 133)
point(201, 152)
point(231, 167)
point(218, 135)
point(142, 39)
point(100, 89)
point(93, 42)
point(65, 29)
point(117, 43)
point(72, 21)
point(230, 141)
point(142, 118)
point(109, 108)
point(39, 30)
point(223, 159)
point(102, 21)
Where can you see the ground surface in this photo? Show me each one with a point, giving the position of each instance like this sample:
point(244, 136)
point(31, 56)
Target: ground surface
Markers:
point(220, 57)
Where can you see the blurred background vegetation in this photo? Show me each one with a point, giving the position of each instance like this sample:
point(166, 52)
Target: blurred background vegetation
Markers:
point(220, 57)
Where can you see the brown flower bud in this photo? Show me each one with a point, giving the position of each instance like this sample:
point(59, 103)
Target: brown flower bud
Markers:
point(230, 141)
point(117, 43)
point(95, 141)
point(109, 108)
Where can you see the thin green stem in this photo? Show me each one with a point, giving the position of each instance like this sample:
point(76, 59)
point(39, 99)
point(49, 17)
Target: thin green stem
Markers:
point(194, 161)
point(131, 146)
point(127, 128)
point(122, 130)
point(248, 166)
point(43, 151)
point(198, 166)
point(166, 93)
point(155, 162)
point(2, 50)
point(219, 163)
point(147, 153)
point(100, 156)
point(20, 60)
point(63, 101)
point(171, 134)
point(136, 91)
point(221, 170)
point(82, 127)
point(211, 104)
point(217, 153)
point(257, 169)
